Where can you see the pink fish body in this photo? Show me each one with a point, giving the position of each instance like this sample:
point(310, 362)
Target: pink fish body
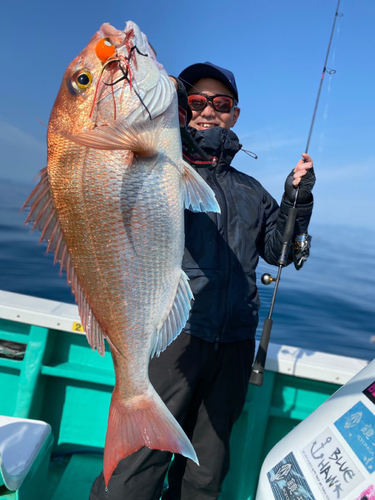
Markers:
point(111, 204)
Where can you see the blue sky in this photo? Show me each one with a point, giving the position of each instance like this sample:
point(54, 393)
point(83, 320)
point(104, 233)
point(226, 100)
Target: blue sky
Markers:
point(276, 50)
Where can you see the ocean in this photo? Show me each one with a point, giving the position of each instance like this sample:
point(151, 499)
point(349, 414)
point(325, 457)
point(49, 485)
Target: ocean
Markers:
point(328, 305)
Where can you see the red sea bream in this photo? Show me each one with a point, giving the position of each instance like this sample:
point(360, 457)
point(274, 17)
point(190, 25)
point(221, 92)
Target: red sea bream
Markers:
point(110, 204)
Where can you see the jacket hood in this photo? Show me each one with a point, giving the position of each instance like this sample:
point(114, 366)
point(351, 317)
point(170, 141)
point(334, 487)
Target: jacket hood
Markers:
point(219, 142)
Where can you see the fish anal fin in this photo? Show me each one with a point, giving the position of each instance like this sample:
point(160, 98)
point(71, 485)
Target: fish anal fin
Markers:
point(199, 197)
point(141, 139)
point(177, 317)
point(94, 333)
point(144, 421)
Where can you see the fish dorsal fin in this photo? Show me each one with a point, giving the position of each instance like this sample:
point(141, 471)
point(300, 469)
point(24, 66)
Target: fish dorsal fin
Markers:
point(177, 317)
point(141, 139)
point(199, 197)
point(44, 216)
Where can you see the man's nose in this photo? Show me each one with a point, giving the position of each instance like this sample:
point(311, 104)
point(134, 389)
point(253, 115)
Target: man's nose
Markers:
point(208, 111)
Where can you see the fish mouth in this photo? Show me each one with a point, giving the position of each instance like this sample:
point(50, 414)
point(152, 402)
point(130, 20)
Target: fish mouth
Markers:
point(121, 81)
point(118, 70)
point(108, 31)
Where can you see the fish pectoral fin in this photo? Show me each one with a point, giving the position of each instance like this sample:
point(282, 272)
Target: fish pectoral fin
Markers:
point(146, 421)
point(141, 139)
point(199, 197)
point(177, 317)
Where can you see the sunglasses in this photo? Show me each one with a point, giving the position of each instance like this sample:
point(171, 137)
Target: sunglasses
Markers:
point(220, 102)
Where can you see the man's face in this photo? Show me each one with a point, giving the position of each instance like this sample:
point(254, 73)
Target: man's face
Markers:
point(209, 117)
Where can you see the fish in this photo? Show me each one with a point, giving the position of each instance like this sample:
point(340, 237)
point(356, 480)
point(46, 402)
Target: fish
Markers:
point(110, 205)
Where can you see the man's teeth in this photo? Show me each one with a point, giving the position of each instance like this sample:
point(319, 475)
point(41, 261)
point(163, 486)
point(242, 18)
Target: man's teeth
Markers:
point(207, 125)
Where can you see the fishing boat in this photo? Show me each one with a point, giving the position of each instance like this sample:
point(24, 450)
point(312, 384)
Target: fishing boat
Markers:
point(56, 394)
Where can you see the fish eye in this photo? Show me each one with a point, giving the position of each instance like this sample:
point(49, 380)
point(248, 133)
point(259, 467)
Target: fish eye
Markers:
point(82, 79)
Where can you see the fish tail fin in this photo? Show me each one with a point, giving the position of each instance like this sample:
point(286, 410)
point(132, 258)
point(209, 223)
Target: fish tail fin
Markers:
point(145, 422)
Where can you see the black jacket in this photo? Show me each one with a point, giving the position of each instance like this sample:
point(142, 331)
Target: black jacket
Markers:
point(222, 250)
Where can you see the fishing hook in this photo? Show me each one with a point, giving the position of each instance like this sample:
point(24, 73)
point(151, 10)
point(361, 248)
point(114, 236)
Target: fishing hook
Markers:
point(125, 74)
point(137, 49)
point(119, 60)
point(124, 77)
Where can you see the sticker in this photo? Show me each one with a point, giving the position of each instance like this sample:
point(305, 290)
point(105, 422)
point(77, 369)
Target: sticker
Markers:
point(357, 426)
point(77, 327)
point(370, 392)
point(332, 468)
point(368, 494)
point(288, 482)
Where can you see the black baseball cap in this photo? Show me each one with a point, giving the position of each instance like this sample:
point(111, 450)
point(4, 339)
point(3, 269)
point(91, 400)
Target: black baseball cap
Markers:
point(195, 72)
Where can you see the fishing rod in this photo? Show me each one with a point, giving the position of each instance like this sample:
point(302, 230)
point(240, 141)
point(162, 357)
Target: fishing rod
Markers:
point(256, 377)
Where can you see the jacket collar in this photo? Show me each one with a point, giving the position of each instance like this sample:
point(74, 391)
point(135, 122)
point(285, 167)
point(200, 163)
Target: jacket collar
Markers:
point(216, 142)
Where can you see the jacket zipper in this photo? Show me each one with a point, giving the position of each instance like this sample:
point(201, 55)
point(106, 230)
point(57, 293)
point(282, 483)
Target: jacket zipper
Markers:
point(224, 216)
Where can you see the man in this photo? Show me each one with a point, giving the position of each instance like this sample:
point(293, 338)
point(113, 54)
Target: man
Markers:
point(203, 375)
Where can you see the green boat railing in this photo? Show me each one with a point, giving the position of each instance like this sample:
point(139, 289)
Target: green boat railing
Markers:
point(51, 374)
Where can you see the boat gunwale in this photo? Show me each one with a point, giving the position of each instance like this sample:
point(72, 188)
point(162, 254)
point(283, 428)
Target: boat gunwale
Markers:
point(284, 359)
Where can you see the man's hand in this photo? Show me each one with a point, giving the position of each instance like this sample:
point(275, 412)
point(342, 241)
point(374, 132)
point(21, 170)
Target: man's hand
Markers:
point(302, 176)
point(174, 81)
point(183, 106)
point(302, 167)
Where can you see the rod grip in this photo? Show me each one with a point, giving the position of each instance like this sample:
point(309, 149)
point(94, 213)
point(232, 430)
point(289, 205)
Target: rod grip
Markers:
point(256, 377)
point(287, 236)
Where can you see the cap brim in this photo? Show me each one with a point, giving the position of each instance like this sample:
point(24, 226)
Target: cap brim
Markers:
point(196, 72)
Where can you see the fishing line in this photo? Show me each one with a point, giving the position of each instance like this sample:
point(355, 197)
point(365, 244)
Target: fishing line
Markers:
point(330, 71)
point(256, 377)
point(40, 121)
point(325, 70)
point(188, 83)
point(126, 72)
